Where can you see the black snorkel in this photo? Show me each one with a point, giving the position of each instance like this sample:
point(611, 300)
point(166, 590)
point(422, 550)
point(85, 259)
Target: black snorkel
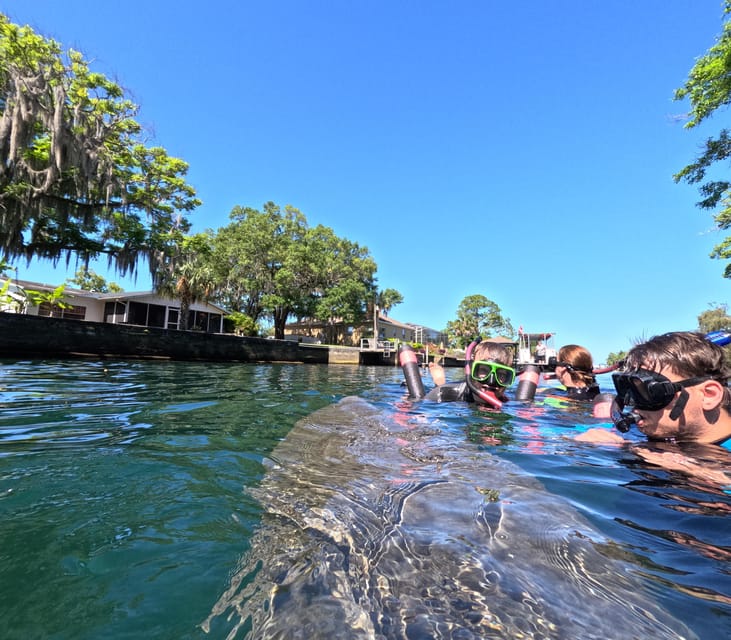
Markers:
point(622, 420)
point(487, 396)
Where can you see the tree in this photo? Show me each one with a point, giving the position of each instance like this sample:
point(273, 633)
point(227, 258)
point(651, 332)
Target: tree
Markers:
point(614, 358)
point(341, 278)
point(708, 88)
point(89, 280)
point(271, 263)
point(715, 318)
point(187, 274)
point(248, 254)
point(477, 316)
point(75, 176)
point(387, 299)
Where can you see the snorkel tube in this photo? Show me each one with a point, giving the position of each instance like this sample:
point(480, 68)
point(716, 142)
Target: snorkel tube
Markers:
point(410, 367)
point(622, 421)
point(487, 396)
point(528, 382)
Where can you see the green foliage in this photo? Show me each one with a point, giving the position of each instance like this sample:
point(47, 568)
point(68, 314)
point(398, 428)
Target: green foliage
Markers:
point(89, 280)
point(186, 273)
point(75, 176)
point(243, 325)
point(388, 299)
point(5, 299)
point(715, 318)
point(708, 88)
point(270, 263)
point(614, 358)
point(477, 316)
point(54, 298)
point(31, 297)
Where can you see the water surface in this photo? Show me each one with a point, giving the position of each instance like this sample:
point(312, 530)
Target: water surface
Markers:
point(129, 504)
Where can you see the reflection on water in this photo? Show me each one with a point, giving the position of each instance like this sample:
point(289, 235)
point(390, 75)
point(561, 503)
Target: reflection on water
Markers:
point(178, 500)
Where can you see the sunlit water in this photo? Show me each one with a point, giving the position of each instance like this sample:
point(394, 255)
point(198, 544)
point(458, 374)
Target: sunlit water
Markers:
point(186, 500)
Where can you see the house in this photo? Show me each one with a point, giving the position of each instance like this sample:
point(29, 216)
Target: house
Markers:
point(142, 308)
point(338, 332)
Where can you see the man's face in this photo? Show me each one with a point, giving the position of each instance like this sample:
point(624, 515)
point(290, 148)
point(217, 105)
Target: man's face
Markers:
point(658, 425)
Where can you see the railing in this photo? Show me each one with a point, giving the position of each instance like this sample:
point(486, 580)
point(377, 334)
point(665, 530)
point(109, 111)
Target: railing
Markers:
point(384, 346)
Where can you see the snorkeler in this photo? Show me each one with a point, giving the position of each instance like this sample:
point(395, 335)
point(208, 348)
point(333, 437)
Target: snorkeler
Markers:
point(674, 387)
point(488, 373)
point(575, 371)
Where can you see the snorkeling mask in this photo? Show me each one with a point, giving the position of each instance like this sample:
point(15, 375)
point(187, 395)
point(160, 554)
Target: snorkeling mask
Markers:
point(493, 374)
point(570, 367)
point(487, 396)
point(649, 391)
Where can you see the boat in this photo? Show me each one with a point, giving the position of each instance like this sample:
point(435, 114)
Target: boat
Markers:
point(536, 348)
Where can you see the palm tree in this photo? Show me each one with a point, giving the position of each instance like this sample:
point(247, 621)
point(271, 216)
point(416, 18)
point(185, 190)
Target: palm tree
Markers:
point(187, 275)
point(387, 299)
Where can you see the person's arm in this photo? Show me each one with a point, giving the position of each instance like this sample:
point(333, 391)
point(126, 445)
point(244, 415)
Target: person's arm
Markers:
point(673, 461)
point(598, 435)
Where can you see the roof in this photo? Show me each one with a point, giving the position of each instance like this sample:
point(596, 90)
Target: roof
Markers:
point(96, 295)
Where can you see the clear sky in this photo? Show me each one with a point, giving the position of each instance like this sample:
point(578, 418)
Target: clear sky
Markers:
point(522, 151)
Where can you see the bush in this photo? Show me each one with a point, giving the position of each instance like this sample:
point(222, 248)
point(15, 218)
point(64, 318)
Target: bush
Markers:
point(242, 324)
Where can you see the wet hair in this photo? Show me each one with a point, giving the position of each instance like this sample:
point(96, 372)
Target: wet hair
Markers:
point(581, 362)
point(494, 352)
point(687, 353)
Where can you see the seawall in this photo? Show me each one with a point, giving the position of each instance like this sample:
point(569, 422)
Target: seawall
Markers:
point(33, 337)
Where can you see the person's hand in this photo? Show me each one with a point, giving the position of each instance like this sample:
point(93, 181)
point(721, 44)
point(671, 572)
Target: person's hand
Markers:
point(437, 373)
point(679, 462)
point(600, 436)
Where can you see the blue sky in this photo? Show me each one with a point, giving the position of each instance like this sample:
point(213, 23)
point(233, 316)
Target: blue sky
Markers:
point(522, 151)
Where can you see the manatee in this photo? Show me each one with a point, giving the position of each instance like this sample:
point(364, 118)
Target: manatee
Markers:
point(377, 529)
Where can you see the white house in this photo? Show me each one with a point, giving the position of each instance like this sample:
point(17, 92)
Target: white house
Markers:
point(142, 308)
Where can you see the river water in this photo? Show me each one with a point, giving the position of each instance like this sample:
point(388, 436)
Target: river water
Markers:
point(199, 500)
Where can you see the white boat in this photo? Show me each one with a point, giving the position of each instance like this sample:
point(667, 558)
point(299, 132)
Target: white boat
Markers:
point(536, 348)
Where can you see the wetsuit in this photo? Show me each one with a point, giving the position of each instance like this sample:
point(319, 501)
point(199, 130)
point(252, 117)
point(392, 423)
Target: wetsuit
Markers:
point(585, 394)
point(451, 392)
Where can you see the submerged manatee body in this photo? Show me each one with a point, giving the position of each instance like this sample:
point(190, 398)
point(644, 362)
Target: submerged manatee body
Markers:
point(377, 530)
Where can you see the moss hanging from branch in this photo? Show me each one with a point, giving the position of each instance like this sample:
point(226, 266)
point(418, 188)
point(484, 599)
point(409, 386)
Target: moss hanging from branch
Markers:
point(75, 177)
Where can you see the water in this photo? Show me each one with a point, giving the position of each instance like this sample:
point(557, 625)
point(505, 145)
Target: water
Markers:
point(162, 500)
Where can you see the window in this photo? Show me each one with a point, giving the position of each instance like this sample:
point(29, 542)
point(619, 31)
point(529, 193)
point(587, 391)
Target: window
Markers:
point(156, 315)
point(52, 311)
point(137, 313)
point(114, 312)
point(173, 318)
point(198, 321)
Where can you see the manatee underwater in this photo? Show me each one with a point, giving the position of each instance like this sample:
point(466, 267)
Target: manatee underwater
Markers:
point(377, 529)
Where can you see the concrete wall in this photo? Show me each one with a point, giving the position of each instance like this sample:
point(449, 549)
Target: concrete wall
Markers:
point(23, 336)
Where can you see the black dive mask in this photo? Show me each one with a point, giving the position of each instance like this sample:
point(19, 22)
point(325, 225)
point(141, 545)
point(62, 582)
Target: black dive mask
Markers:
point(649, 391)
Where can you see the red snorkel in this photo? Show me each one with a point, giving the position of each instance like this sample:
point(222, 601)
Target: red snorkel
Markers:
point(488, 397)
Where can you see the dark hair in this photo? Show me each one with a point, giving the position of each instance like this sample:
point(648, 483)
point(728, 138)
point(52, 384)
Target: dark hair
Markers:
point(687, 353)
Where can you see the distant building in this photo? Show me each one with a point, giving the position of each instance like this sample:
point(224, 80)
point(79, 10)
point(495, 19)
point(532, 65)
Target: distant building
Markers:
point(141, 308)
point(339, 332)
